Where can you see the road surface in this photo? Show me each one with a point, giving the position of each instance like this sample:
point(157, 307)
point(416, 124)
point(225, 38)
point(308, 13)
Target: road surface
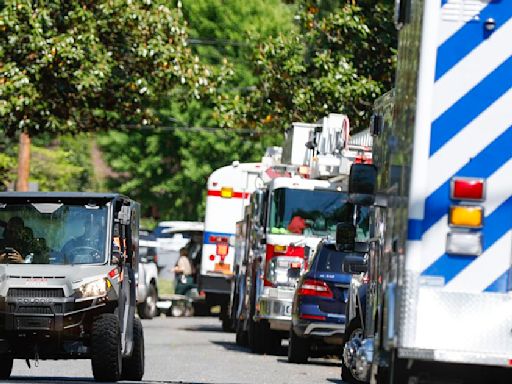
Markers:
point(192, 350)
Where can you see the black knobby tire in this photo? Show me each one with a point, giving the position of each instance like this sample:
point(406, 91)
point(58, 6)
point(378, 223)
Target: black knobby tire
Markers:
point(106, 356)
point(148, 310)
point(133, 366)
point(5, 366)
point(298, 349)
point(346, 375)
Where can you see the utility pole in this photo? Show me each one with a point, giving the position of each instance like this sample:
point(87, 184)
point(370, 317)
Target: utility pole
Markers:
point(23, 162)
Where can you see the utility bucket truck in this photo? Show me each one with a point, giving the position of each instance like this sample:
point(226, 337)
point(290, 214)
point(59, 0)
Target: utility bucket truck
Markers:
point(439, 302)
point(303, 199)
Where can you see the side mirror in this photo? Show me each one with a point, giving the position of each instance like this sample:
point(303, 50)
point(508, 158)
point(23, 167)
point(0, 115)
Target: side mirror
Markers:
point(377, 123)
point(259, 204)
point(362, 183)
point(355, 264)
point(345, 237)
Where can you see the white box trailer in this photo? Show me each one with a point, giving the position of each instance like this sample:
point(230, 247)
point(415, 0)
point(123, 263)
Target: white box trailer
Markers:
point(440, 273)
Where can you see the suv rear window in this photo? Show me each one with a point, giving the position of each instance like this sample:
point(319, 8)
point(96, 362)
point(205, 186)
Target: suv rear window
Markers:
point(329, 260)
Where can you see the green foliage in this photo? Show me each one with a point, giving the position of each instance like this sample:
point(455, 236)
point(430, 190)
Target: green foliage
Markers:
point(62, 165)
point(79, 65)
point(340, 60)
point(167, 170)
point(229, 29)
point(7, 174)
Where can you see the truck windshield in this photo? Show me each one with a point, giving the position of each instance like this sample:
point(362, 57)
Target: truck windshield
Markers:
point(52, 234)
point(311, 212)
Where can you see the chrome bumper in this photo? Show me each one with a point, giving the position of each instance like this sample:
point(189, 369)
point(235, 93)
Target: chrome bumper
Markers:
point(275, 305)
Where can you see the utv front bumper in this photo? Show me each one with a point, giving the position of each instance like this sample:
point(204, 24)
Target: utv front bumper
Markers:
point(46, 310)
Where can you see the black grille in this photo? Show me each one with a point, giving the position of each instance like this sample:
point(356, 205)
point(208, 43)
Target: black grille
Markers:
point(35, 310)
point(35, 292)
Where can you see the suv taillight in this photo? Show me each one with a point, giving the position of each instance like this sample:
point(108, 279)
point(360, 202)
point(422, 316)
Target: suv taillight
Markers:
point(312, 287)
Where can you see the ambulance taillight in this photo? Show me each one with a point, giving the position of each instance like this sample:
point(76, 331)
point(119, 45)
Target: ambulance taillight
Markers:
point(467, 189)
point(467, 217)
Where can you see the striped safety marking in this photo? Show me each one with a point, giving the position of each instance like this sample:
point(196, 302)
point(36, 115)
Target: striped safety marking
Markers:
point(471, 136)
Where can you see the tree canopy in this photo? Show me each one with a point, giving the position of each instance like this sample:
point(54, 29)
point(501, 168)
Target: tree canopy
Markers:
point(167, 168)
point(80, 65)
point(339, 60)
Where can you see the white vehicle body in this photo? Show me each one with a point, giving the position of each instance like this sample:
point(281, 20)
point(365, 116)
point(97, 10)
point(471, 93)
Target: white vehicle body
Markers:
point(171, 236)
point(229, 190)
point(443, 293)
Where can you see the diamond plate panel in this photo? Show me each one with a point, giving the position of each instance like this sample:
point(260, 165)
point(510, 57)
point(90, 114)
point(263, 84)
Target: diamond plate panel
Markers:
point(464, 322)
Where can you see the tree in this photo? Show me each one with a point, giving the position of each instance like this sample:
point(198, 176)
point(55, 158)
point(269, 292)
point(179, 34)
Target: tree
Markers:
point(167, 169)
point(82, 65)
point(340, 60)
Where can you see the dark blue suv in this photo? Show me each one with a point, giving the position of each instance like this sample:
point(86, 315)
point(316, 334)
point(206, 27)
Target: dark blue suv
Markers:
point(318, 311)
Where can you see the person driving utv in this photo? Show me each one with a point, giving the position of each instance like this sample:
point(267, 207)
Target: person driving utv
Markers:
point(88, 247)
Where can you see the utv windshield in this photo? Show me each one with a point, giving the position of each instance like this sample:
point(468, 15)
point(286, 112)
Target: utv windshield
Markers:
point(42, 233)
point(313, 213)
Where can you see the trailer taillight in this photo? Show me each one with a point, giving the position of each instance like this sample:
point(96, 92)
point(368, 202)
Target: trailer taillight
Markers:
point(466, 216)
point(467, 189)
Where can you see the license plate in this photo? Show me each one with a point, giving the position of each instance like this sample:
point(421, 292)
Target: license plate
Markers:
point(287, 310)
point(222, 267)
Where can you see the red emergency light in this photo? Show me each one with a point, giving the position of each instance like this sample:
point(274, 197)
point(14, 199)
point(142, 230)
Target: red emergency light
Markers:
point(462, 188)
point(218, 239)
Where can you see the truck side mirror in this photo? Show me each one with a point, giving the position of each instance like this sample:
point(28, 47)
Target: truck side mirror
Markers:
point(377, 123)
point(259, 205)
point(345, 236)
point(354, 264)
point(362, 183)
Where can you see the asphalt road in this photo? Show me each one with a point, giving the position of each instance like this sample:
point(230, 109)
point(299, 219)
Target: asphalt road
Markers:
point(192, 350)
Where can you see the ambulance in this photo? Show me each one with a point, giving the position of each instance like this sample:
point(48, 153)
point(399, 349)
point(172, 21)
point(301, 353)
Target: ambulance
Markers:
point(439, 302)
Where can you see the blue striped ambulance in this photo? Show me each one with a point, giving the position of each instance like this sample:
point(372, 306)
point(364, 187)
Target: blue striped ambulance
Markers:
point(440, 289)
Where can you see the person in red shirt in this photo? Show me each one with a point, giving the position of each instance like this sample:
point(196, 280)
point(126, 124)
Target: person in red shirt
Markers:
point(297, 225)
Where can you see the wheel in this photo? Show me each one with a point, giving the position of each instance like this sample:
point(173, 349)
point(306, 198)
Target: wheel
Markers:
point(133, 366)
point(258, 336)
point(5, 366)
point(241, 335)
point(353, 332)
point(106, 356)
point(177, 310)
point(298, 349)
point(272, 342)
point(226, 325)
point(148, 309)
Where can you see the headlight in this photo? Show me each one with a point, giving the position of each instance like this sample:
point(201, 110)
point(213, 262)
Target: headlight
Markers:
point(93, 289)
